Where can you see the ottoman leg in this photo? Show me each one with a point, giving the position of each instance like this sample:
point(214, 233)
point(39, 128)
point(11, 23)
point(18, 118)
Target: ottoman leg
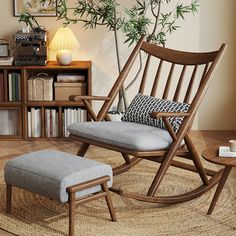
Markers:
point(71, 213)
point(8, 198)
point(109, 201)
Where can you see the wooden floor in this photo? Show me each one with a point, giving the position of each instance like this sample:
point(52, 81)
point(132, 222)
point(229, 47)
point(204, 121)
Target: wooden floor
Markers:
point(11, 149)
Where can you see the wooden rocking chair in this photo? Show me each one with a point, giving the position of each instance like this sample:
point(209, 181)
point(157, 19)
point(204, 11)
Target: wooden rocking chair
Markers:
point(194, 72)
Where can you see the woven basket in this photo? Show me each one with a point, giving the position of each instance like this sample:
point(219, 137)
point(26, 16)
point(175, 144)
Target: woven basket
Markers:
point(40, 88)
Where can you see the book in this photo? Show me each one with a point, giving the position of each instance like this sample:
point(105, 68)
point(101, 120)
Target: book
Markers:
point(2, 94)
point(54, 124)
point(37, 123)
point(29, 124)
point(65, 121)
point(224, 151)
point(32, 112)
point(8, 121)
point(47, 123)
point(13, 84)
point(83, 115)
point(6, 61)
point(18, 87)
point(10, 87)
point(70, 78)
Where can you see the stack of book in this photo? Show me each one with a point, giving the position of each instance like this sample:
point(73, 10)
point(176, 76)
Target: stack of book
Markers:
point(9, 122)
point(51, 123)
point(70, 78)
point(224, 151)
point(6, 61)
point(71, 116)
point(14, 87)
point(34, 122)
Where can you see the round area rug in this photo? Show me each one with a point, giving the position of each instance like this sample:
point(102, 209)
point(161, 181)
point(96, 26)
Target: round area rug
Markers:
point(36, 215)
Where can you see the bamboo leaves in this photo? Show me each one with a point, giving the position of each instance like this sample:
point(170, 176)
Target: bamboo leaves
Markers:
point(133, 21)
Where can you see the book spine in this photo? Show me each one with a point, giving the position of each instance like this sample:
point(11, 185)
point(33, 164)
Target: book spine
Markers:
point(2, 95)
point(13, 87)
point(47, 123)
point(16, 75)
point(68, 121)
point(57, 124)
point(78, 115)
point(19, 86)
point(37, 123)
point(54, 123)
point(32, 122)
point(29, 124)
point(10, 87)
point(83, 116)
point(65, 121)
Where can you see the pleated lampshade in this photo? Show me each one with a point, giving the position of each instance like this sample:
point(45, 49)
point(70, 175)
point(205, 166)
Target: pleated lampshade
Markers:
point(64, 41)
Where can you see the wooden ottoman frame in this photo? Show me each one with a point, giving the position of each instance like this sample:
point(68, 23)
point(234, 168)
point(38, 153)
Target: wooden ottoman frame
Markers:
point(72, 198)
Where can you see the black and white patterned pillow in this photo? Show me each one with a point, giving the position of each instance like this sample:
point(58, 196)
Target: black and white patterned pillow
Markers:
point(140, 108)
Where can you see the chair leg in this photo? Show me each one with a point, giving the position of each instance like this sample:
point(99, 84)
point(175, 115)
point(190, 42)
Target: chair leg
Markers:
point(126, 158)
point(8, 198)
point(83, 149)
point(109, 201)
point(71, 214)
point(196, 160)
point(161, 172)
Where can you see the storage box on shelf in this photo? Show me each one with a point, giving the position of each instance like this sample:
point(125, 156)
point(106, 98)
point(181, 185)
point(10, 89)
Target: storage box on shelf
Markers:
point(64, 90)
point(39, 109)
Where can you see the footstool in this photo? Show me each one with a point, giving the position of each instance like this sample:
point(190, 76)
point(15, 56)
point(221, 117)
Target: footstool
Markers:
point(60, 176)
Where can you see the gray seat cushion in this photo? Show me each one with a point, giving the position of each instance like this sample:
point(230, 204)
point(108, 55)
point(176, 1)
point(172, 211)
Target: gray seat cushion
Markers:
point(127, 135)
point(50, 172)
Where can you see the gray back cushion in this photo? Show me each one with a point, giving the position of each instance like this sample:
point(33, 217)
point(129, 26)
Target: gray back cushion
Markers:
point(140, 108)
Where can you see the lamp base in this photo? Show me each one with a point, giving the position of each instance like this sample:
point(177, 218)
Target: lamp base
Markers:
point(64, 57)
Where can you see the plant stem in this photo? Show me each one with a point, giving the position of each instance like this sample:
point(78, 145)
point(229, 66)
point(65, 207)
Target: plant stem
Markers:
point(121, 94)
point(137, 74)
point(156, 20)
point(122, 100)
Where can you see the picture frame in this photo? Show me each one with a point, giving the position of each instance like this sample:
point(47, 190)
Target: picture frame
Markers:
point(35, 7)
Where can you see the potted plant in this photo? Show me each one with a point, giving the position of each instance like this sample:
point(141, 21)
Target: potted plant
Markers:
point(143, 17)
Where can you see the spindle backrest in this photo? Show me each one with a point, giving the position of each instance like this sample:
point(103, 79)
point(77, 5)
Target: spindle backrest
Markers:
point(182, 76)
point(180, 84)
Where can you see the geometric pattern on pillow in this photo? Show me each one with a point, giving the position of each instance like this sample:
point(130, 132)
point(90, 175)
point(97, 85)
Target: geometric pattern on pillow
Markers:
point(142, 105)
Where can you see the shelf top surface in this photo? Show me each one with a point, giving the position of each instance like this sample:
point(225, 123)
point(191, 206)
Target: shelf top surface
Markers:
point(82, 64)
point(55, 65)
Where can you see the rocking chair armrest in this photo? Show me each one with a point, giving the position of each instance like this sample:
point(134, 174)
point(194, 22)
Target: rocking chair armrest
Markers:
point(77, 98)
point(156, 115)
point(165, 116)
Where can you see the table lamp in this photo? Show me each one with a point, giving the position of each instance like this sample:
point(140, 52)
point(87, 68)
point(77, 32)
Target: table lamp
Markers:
point(64, 41)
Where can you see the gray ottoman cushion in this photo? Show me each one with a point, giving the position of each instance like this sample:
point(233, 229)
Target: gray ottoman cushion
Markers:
point(50, 172)
point(128, 135)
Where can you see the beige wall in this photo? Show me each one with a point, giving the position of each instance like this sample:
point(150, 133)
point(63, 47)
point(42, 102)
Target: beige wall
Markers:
point(98, 46)
point(217, 25)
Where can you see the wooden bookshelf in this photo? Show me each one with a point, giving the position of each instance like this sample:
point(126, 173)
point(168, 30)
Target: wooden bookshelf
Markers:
point(15, 112)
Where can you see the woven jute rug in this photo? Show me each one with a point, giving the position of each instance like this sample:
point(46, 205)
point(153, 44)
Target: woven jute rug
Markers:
point(36, 215)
